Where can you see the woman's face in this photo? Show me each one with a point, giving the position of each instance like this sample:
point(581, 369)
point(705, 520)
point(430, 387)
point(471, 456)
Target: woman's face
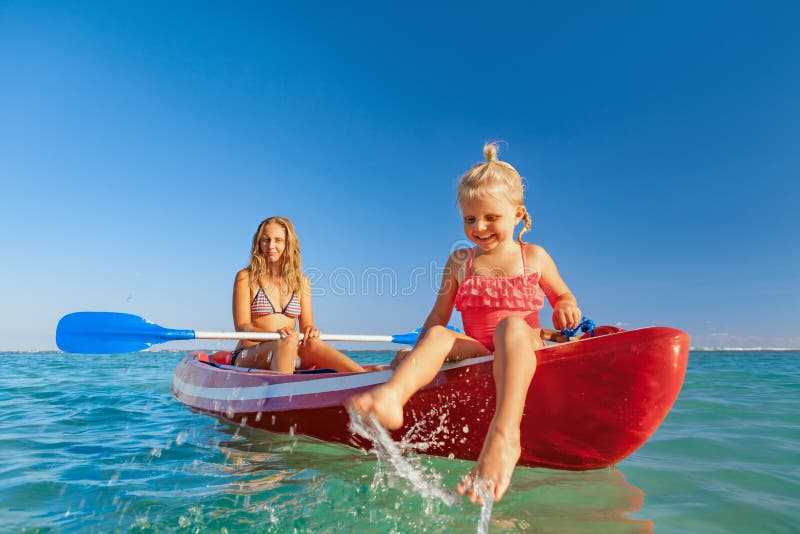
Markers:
point(273, 242)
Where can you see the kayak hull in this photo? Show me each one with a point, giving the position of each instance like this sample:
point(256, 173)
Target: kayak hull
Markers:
point(591, 403)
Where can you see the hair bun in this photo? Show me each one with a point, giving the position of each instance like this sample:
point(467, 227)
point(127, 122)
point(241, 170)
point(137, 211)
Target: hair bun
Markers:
point(490, 151)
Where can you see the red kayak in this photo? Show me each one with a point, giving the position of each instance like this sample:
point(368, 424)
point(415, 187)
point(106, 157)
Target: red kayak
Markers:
point(591, 404)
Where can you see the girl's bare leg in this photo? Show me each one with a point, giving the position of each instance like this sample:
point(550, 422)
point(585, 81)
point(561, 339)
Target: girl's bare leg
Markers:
point(316, 352)
point(514, 366)
point(386, 401)
point(278, 355)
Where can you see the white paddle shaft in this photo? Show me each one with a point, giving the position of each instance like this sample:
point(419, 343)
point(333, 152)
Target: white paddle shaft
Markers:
point(271, 336)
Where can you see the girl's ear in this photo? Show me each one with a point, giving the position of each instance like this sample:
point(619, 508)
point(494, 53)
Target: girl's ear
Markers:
point(520, 213)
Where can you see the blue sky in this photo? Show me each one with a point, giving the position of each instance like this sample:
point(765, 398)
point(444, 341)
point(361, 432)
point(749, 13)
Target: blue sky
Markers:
point(141, 144)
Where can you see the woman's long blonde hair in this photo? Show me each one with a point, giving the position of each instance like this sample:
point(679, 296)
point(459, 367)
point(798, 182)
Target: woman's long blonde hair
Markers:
point(495, 178)
point(291, 272)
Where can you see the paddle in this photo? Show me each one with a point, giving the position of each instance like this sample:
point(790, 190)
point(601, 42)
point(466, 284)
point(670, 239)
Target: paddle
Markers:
point(112, 332)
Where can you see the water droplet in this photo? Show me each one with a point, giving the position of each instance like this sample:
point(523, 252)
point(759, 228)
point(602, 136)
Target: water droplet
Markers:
point(465, 429)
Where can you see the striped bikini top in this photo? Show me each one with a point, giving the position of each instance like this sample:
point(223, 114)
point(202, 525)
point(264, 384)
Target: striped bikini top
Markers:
point(261, 305)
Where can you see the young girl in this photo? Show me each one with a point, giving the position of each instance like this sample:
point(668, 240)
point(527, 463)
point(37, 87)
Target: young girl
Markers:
point(270, 295)
point(499, 287)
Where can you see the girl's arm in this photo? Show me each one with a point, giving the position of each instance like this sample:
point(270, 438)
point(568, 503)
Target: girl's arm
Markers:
point(566, 313)
point(443, 307)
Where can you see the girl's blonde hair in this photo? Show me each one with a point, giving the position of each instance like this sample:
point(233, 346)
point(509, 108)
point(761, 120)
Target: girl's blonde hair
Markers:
point(497, 179)
point(291, 272)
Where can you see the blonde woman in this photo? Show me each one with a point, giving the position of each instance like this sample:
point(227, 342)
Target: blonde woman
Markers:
point(271, 295)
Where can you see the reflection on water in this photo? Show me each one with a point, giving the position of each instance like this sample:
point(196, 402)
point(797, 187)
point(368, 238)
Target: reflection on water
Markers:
point(299, 479)
point(576, 501)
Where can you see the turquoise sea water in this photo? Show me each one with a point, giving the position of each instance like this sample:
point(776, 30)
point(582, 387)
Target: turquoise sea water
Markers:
point(98, 444)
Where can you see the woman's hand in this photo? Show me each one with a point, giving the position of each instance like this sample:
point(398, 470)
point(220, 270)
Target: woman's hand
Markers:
point(287, 332)
point(310, 333)
point(399, 357)
point(566, 314)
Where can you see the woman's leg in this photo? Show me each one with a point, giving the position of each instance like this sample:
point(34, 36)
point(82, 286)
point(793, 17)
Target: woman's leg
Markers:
point(514, 366)
point(278, 355)
point(386, 401)
point(315, 352)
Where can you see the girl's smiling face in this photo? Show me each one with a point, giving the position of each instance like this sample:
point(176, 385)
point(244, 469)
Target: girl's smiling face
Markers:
point(490, 221)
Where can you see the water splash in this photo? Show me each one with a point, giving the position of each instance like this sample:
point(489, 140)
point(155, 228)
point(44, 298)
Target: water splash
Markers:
point(487, 498)
point(420, 439)
point(407, 467)
point(404, 464)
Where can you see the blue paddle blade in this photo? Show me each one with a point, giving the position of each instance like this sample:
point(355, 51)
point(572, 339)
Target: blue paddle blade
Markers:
point(411, 337)
point(111, 333)
point(407, 339)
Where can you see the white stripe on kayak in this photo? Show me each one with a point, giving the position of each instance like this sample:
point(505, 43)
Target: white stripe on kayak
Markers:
point(305, 387)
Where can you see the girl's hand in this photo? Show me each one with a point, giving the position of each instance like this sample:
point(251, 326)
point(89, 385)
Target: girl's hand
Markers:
point(310, 333)
point(399, 357)
point(566, 314)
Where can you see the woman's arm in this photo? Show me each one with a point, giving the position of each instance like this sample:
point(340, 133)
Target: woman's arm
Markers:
point(241, 306)
point(307, 310)
point(241, 301)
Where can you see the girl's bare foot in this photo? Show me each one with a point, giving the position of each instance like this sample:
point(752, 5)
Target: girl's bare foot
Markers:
point(383, 402)
point(495, 465)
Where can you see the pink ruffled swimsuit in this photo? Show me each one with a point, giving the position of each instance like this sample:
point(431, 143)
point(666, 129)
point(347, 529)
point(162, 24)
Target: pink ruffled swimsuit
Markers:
point(484, 301)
